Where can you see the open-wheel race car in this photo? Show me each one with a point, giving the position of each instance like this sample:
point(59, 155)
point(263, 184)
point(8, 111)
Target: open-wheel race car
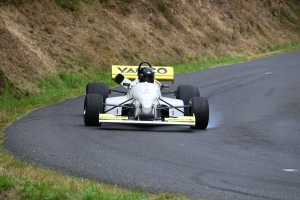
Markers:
point(143, 102)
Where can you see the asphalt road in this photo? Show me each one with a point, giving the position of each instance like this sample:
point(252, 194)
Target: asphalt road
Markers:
point(251, 149)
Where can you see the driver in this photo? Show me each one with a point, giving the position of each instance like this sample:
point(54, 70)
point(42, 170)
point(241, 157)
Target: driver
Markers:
point(146, 74)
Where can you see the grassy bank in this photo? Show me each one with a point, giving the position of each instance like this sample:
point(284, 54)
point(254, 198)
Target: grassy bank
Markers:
point(20, 180)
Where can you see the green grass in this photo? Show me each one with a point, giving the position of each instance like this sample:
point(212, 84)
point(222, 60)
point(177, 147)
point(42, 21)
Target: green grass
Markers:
point(186, 68)
point(12, 187)
point(21, 180)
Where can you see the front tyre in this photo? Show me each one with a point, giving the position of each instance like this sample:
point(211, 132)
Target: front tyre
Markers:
point(185, 93)
point(200, 108)
point(93, 105)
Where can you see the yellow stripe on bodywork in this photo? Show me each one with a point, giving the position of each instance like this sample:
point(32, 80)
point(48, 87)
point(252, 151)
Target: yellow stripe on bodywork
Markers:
point(162, 73)
point(112, 117)
point(181, 119)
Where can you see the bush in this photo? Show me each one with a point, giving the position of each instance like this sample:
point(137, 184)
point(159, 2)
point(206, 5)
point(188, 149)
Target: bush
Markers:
point(164, 8)
point(2, 82)
point(68, 4)
point(10, 2)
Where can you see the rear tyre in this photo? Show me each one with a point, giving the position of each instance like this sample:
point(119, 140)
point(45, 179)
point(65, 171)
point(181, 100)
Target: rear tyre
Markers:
point(185, 93)
point(98, 88)
point(92, 107)
point(200, 108)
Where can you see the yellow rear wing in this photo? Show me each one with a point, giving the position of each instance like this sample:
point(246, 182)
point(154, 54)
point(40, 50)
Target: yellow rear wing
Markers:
point(162, 73)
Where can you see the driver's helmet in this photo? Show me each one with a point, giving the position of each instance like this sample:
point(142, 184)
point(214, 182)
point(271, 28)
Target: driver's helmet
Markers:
point(146, 75)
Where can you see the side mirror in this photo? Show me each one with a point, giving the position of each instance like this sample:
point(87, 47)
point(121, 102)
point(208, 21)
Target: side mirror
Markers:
point(119, 78)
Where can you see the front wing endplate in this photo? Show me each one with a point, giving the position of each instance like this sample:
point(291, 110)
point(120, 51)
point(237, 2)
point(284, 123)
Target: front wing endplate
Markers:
point(111, 117)
point(181, 119)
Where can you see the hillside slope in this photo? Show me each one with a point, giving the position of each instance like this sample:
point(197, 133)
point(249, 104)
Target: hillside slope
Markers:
point(41, 38)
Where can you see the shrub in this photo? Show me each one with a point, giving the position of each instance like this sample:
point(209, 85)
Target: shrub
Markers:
point(164, 8)
point(10, 2)
point(68, 4)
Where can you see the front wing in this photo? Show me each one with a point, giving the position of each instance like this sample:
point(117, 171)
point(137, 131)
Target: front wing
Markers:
point(179, 121)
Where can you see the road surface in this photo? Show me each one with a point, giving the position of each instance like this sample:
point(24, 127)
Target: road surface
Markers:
point(251, 149)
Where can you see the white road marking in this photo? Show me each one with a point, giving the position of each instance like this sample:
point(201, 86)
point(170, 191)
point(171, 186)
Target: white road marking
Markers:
point(268, 73)
point(290, 170)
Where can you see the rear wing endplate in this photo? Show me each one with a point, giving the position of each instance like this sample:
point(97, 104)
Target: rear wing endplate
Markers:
point(162, 73)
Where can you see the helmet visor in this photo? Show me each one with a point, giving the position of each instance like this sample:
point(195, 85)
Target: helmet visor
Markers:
point(147, 78)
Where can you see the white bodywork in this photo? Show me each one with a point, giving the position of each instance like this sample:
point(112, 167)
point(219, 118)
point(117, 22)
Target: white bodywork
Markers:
point(146, 99)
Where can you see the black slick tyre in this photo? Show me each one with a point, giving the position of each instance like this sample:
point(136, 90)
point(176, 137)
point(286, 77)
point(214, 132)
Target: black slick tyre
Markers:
point(98, 88)
point(185, 93)
point(92, 107)
point(200, 108)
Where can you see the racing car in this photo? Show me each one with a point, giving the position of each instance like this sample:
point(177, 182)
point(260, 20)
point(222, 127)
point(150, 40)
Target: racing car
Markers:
point(143, 102)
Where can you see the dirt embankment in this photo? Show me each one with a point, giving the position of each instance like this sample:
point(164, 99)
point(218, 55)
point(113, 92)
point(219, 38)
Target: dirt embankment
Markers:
point(40, 38)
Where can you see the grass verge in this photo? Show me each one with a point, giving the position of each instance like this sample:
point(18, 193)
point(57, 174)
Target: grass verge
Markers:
point(20, 180)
